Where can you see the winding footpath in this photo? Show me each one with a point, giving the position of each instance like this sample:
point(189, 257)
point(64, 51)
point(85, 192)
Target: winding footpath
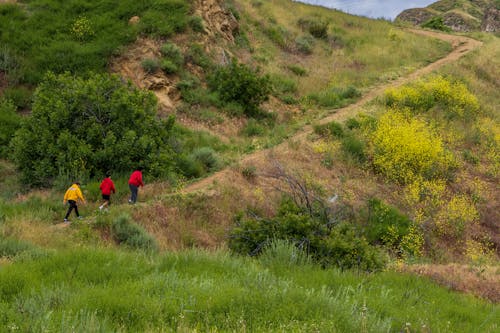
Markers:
point(461, 46)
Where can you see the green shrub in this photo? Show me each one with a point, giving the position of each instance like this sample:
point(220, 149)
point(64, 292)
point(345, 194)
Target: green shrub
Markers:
point(20, 96)
point(165, 17)
point(173, 53)
point(10, 121)
point(241, 40)
point(282, 253)
point(282, 85)
point(197, 56)
point(168, 66)
point(289, 99)
point(253, 128)
point(196, 23)
point(15, 249)
point(188, 82)
point(436, 23)
point(150, 65)
point(331, 129)
point(201, 97)
point(190, 167)
point(249, 172)
point(9, 64)
point(334, 97)
point(85, 126)
point(297, 70)
point(240, 84)
point(354, 148)
point(310, 231)
point(385, 224)
point(207, 157)
point(352, 123)
point(126, 232)
point(280, 36)
point(470, 157)
point(345, 249)
point(316, 26)
point(305, 44)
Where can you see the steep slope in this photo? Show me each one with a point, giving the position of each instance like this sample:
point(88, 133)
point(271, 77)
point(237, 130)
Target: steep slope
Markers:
point(460, 15)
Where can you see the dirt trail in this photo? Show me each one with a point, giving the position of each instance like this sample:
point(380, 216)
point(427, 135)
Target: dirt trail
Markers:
point(461, 46)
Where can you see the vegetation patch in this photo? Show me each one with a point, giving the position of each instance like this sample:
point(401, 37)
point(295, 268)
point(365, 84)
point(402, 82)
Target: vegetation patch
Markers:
point(404, 149)
point(57, 36)
point(10, 121)
point(311, 228)
point(126, 232)
point(452, 98)
point(334, 97)
point(240, 84)
point(83, 127)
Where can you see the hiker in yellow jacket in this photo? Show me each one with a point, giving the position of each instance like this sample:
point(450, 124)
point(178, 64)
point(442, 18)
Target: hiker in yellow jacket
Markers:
point(72, 195)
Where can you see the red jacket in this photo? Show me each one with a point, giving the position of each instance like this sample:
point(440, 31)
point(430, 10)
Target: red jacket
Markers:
point(136, 178)
point(107, 186)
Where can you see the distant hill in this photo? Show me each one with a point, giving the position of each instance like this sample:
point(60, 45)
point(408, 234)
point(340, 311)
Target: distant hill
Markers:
point(458, 15)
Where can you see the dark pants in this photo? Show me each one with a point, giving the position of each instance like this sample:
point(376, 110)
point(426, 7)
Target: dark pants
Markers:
point(72, 205)
point(133, 190)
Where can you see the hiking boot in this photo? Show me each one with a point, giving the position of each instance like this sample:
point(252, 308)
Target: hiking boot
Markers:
point(66, 221)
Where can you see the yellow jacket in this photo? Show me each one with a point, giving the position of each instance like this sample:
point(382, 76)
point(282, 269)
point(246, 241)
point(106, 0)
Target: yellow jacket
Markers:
point(73, 193)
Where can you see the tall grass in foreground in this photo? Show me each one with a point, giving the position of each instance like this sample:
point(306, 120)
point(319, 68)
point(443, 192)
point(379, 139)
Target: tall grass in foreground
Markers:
point(102, 291)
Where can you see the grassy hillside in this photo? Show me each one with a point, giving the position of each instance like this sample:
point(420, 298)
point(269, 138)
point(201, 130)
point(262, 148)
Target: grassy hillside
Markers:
point(249, 147)
point(96, 290)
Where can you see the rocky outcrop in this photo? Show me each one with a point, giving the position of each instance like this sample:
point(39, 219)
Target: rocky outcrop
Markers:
point(491, 22)
point(219, 25)
point(416, 16)
point(128, 65)
point(217, 19)
point(472, 15)
point(461, 22)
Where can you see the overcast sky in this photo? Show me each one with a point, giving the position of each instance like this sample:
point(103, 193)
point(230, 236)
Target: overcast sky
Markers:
point(388, 9)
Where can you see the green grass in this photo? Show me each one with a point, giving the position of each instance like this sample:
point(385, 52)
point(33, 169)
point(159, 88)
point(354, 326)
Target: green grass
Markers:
point(99, 290)
point(78, 36)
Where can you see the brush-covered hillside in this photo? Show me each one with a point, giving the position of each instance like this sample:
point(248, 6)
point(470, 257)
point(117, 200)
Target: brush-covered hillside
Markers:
point(459, 16)
point(304, 170)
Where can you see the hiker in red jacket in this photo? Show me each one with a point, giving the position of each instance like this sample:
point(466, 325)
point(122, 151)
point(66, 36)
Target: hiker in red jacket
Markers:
point(134, 183)
point(107, 186)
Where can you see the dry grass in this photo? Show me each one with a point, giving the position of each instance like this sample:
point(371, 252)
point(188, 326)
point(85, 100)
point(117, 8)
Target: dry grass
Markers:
point(480, 281)
point(374, 46)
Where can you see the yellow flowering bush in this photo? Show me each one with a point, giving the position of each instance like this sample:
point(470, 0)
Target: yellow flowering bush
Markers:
point(82, 29)
point(405, 149)
point(489, 131)
point(429, 192)
point(424, 197)
point(453, 97)
point(479, 252)
point(412, 244)
point(456, 215)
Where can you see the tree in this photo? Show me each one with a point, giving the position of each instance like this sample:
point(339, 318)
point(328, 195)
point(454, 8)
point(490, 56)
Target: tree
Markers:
point(83, 127)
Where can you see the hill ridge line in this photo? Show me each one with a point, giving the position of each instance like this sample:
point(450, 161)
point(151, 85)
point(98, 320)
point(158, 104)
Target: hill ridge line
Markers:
point(461, 46)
